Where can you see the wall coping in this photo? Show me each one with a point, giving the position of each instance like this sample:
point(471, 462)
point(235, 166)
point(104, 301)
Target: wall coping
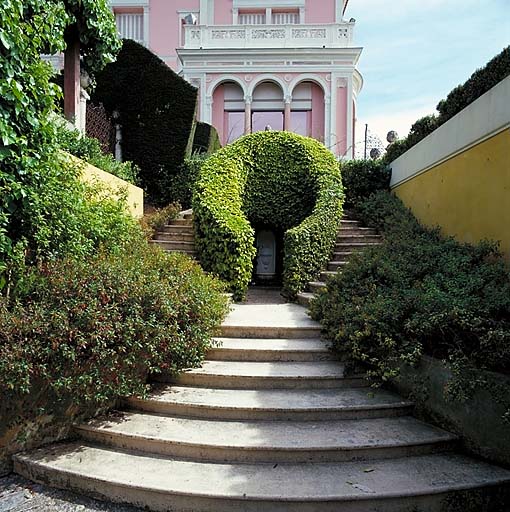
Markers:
point(481, 120)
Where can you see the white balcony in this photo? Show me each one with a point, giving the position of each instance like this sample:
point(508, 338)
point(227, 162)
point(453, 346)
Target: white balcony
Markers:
point(335, 35)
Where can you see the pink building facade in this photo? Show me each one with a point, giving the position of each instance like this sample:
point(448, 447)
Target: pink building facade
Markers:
point(287, 64)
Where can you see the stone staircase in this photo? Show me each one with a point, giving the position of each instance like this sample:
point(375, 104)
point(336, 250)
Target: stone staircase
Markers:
point(352, 237)
point(270, 423)
point(178, 235)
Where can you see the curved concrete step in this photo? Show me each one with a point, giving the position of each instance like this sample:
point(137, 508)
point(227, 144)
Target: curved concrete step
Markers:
point(356, 230)
point(174, 245)
point(335, 266)
point(316, 286)
point(304, 298)
point(327, 274)
point(174, 237)
point(274, 404)
point(253, 349)
point(264, 375)
point(342, 256)
point(350, 238)
point(353, 246)
point(160, 483)
point(184, 221)
point(268, 441)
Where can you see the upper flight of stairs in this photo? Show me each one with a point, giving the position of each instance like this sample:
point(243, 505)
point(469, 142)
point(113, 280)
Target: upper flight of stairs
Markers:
point(351, 237)
point(177, 235)
point(270, 423)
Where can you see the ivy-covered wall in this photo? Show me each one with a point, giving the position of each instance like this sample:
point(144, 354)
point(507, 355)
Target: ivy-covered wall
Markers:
point(156, 111)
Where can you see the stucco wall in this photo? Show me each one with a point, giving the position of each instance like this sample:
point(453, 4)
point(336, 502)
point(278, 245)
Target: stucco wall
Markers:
point(459, 176)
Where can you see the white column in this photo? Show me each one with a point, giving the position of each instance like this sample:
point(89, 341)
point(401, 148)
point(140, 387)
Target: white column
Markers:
point(207, 113)
point(247, 114)
point(235, 16)
point(301, 15)
point(146, 26)
point(350, 113)
point(269, 15)
point(287, 120)
point(339, 7)
point(329, 132)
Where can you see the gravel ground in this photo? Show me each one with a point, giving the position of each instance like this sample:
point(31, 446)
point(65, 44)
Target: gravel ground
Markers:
point(20, 495)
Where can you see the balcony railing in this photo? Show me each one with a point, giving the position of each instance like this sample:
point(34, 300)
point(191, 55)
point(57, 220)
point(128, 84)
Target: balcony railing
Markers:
point(335, 35)
point(130, 26)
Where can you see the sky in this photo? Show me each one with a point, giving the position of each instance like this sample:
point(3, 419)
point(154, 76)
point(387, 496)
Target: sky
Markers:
point(416, 51)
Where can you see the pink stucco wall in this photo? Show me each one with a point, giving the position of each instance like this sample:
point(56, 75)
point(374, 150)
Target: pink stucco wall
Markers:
point(318, 112)
point(164, 27)
point(223, 12)
point(322, 11)
point(341, 128)
point(218, 113)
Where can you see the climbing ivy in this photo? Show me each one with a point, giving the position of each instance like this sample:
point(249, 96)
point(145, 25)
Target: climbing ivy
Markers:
point(277, 179)
point(29, 28)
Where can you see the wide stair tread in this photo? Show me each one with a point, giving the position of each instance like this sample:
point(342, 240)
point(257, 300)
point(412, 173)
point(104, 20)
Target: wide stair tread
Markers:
point(275, 404)
point(198, 485)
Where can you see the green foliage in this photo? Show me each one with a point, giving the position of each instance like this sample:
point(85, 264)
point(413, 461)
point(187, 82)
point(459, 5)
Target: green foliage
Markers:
point(27, 136)
point(276, 179)
point(361, 178)
point(481, 81)
point(89, 150)
point(97, 327)
point(184, 181)
point(418, 293)
point(156, 111)
point(206, 139)
point(159, 218)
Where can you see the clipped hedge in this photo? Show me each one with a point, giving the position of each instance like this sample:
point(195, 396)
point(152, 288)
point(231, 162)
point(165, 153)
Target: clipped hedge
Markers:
point(156, 109)
point(206, 139)
point(480, 82)
point(361, 178)
point(184, 181)
point(276, 179)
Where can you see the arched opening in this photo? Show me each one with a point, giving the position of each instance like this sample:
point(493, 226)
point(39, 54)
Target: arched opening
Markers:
point(228, 111)
point(307, 110)
point(267, 108)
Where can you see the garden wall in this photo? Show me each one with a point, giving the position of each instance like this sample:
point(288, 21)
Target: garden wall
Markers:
point(458, 177)
point(134, 193)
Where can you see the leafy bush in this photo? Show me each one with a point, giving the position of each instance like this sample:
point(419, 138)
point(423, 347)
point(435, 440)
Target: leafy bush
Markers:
point(361, 178)
point(159, 218)
point(97, 327)
point(481, 81)
point(89, 150)
point(206, 139)
point(269, 179)
point(418, 293)
point(156, 111)
point(184, 181)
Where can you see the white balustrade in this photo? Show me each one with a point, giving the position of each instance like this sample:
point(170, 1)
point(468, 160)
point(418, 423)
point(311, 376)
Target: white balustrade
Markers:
point(130, 26)
point(335, 35)
point(285, 18)
point(252, 19)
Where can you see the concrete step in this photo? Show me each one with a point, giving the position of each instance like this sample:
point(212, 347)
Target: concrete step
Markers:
point(267, 441)
point(335, 266)
point(175, 245)
point(275, 375)
point(252, 349)
point(269, 321)
point(356, 230)
point(304, 298)
point(342, 255)
point(183, 221)
point(348, 238)
point(159, 483)
point(353, 246)
point(316, 286)
point(178, 228)
point(327, 274)
point(349, 222)
point(273, 404)
point(171, 236)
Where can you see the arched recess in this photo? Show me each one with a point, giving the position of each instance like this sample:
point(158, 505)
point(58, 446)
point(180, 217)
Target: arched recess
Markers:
point(267, 106)
point(228, 109)
point(308, 110)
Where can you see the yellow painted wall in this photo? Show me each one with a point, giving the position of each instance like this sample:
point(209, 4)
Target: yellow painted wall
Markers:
point(134, 194)
point(468, 196)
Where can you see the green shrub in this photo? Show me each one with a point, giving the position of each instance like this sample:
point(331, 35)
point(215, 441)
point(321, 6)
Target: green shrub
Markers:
point(181, 188)
point(206, 139)
point(159, 218)
point(156, 111)
point(98, 326)
point(361, 178)
point(89, 150)
point(417, 293)
point(268, 179)
point(480, 82)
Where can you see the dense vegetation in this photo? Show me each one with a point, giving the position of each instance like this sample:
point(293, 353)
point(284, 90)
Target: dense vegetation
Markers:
point(206, 139)
point(278, 180)
point(481, 81)
point(419, 293)
point(156, 111)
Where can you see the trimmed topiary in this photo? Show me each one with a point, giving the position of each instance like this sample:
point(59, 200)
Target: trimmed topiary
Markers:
point(157, 111)
point(206, 139)
point(278, 179)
